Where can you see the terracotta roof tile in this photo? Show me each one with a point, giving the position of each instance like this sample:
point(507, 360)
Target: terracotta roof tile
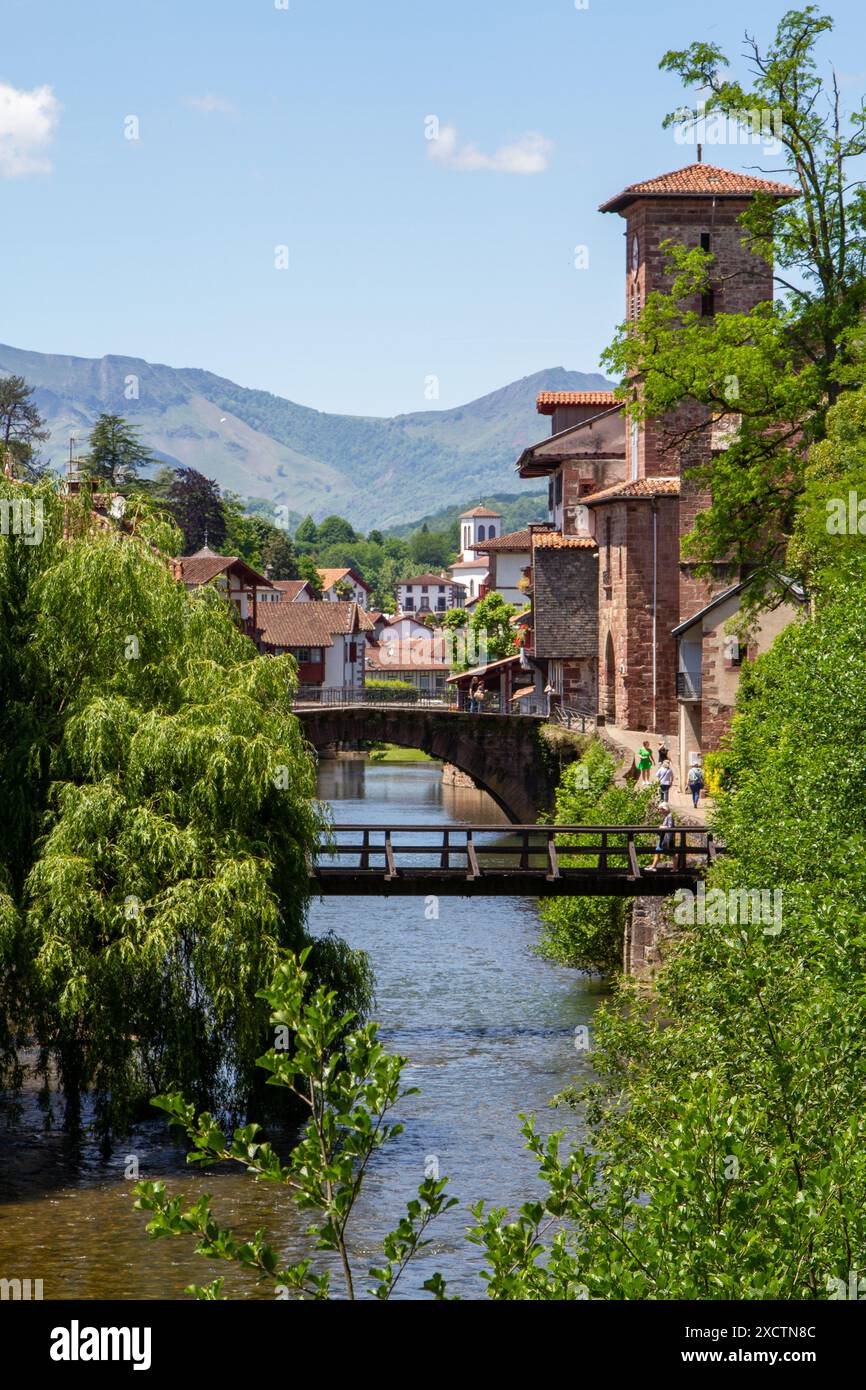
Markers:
point(206, 564)
point(310, 624)
point(555, 540)
point(417, 654)
point(546, 402)
point(514, 540)
point(330, 577)
point(639, 487)
point(480, 511)
point(699, 181)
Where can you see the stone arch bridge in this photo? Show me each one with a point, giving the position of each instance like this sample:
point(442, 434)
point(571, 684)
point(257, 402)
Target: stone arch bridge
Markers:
point(507, 755)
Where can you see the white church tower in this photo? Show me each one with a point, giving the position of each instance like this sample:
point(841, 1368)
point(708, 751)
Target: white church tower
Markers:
point(476, 526)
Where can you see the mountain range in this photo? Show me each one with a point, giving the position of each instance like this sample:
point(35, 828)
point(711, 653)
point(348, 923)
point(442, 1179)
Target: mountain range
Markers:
point(376, 471)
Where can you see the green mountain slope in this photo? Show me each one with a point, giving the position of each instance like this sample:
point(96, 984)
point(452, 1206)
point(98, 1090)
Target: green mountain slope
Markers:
point(378, 472)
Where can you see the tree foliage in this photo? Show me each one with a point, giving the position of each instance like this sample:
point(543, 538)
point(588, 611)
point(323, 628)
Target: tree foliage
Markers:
point(587, 933)
point(116, 454)
point(768, 377)
point(198, 508)
point(348, 1085)
point(160, 800)
point(21, 426)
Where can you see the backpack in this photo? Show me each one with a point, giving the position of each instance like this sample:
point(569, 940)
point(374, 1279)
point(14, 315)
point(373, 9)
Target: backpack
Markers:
point(696, 777)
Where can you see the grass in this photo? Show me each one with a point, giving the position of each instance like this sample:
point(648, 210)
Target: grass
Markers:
point(393, 753)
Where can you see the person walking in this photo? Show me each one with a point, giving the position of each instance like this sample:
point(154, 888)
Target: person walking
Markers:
point(665, 842)
point(665, 777)
point(644, 761)
point(696, 783)
point(479, 697)
point(664, 751)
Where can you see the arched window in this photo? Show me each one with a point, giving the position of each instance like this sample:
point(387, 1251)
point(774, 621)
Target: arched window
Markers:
point(481, 533)
point(491, 532)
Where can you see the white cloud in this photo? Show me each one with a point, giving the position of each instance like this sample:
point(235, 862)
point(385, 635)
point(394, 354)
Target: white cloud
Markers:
point(528, 155)
point(27, 124)
point(209, 104)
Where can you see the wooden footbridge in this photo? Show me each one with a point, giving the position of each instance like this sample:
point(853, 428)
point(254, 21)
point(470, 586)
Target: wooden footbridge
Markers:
point(461, 861)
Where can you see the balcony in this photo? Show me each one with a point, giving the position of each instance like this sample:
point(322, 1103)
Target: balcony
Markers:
point(688, 685)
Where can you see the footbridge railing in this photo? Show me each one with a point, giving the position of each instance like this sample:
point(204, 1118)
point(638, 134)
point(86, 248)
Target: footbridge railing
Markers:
point(511, 860)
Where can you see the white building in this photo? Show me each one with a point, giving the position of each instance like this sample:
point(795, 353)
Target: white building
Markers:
point(328, 641)
point(237, 580)
point(510, 559)
point(286, 591)
point(429, 593)
point(344, 580)
point(478, 525)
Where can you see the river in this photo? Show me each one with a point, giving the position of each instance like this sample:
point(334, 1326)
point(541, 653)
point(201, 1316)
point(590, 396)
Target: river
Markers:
point(488, 1030)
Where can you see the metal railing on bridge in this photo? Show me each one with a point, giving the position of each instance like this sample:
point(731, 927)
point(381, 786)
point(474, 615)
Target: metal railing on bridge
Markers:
point(343, 697)
point(510, 860)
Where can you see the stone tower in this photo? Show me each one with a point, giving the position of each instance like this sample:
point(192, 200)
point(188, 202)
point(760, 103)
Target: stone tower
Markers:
point(645, 589)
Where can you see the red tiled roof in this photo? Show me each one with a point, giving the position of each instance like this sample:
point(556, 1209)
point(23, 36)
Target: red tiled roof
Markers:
point(417, 654)
point(546, 402)
point(699, 181)
point(480, 511)
point(290, 587)
point(310, 624)
point(555, 540)
point(469, 564)
point(334, 576)
point(514, 540)
point(639, 487)
point(206, 564)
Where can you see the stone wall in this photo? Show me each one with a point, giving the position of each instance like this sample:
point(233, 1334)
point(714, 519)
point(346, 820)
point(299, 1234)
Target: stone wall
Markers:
point(564, 603)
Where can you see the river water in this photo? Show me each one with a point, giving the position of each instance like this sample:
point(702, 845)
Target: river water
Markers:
point(488, 1030)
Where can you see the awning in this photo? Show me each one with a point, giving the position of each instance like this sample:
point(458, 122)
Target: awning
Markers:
point(523, 692)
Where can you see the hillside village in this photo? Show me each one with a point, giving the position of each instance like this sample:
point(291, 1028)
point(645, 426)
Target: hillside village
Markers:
point(608, 622)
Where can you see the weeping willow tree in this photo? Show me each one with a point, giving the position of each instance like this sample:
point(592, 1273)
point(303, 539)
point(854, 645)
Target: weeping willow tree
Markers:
point(158, 805)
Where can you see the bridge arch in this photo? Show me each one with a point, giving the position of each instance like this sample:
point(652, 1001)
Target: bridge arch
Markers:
point(504, 754)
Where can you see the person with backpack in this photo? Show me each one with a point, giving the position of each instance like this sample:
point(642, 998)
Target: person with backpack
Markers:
point(665, 842)
point(665, 777)
point(480, 691)
point(696, 783)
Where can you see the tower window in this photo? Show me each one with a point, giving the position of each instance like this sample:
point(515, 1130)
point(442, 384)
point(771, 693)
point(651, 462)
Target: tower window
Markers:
point(705, 241)
point(708, 304)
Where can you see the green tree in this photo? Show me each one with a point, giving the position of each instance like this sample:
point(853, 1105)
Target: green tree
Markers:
point(197, 506)
point(278, 556)
point(159, 807)
point(349, 1085)
point(587, 933)
point(21, 427)
point(491, 628)
point(334, 530)
point(769, 375)
point(307, 534)
point(431, 549)
point(116, 453)
point(308, 570)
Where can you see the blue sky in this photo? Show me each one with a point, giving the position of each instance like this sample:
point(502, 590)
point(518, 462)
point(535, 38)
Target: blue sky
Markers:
point(304, 127)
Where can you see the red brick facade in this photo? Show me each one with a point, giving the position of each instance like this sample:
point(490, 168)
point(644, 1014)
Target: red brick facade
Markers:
point(644, 589)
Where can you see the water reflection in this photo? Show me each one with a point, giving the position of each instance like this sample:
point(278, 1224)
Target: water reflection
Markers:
point(488, 1030)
